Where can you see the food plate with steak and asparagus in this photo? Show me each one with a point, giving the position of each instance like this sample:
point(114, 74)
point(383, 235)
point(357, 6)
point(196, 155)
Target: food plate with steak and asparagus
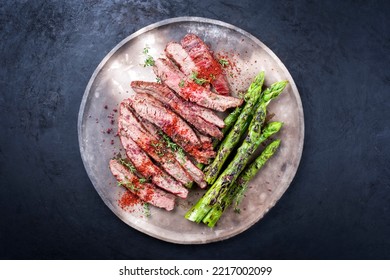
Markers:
point(190, 130)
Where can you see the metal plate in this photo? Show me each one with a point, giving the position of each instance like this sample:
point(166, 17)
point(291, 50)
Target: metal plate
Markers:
point(109, 85)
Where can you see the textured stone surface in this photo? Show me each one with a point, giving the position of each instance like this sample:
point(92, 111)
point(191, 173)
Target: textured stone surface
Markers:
point(338, 53)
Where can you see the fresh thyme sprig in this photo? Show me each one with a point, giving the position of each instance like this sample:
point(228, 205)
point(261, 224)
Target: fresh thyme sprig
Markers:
point(149, 61)
point(147, 209)
point(128, 165)
point(199, 81)
point(223, 62)
point(172, 145)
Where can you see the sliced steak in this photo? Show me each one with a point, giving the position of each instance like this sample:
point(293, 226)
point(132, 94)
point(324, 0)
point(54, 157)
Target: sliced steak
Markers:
point(145, 191)
point(189, 90)
point(132, 127)
point(180, 156)
point(151, 109)
point(188, 110)
point(209, 116)
point(175, 127)
point(166, 95)
point(205, 140)
point(148, 169)
point(175, 52)
point(206, 65)
point(179, 55)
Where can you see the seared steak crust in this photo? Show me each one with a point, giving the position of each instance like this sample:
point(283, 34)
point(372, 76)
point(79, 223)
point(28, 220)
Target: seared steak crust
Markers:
point(193, 113)
point(175, 127)
point(206, 65)
point(148, 169)
point(145, 191)
point(191, 168)
point(189, 90)
point(133, 128)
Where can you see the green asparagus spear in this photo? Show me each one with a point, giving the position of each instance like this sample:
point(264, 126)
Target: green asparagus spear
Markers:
point(230, 174)
point(238, 188)
point(252, 169)
point(206, 203)
point(239, 128)
point(229, 122)
point(231, 119)
point(273, 91)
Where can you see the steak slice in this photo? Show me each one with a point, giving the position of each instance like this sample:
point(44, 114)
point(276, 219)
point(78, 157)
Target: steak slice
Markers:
point(181, 133)
point(205, 140)
point(145, 191)
point(148, 169)
point(180, 156)
point(170, 98)
point(189, 90)
point(189, 111)
point(209, 116)
point(207, 66)
point(131, 126)
point(181, 58)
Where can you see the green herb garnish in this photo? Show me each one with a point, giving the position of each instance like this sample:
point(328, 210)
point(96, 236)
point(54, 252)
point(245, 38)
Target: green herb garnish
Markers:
point(181, 153)
point(181, 84)
point(146, 50)
point(199, 81)
point(147, 209)
point(223, 62)
point(168, 142)
point(128, 185)
point(128, 165)
point(149, 61)
point(143, 180)
point(172, 145)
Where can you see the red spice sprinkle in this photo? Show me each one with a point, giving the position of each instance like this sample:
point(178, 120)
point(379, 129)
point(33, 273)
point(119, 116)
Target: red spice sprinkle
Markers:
point(115, 110)
point(112, 141)
point(149, 194)
point(128, 199)
point(105, 107)
point(109, 130)
point(232, 59)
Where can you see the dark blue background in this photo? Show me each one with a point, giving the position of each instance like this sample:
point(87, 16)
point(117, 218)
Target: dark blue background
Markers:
point(338, 206)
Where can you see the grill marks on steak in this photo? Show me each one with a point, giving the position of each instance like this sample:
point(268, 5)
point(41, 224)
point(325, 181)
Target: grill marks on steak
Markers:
point(148, 169)
point(145, 191)
point(150, 109)
point(155, 148)
point(143, 118)
point(189, 90)
point(190, 167)
point(176, 128)
point(166, 95)
point(175, 52)
point(207, 67)
point(194, 114)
